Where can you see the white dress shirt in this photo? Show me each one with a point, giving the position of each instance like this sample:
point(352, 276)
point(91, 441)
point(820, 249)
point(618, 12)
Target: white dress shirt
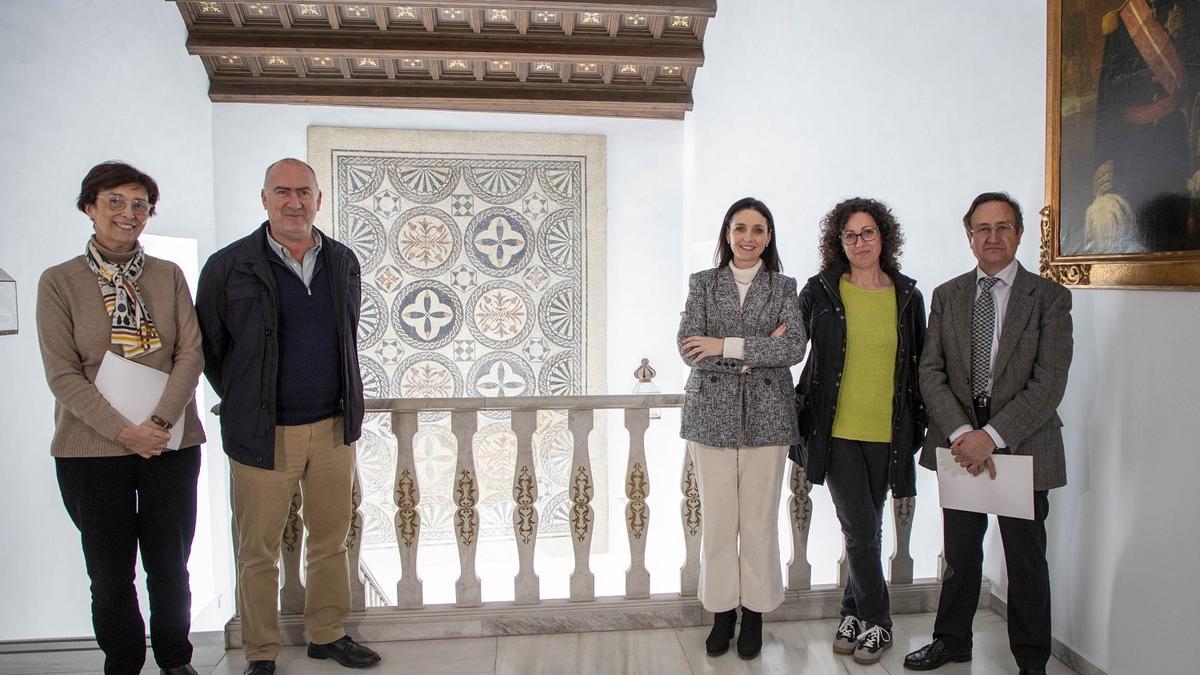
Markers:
point(1000, 293)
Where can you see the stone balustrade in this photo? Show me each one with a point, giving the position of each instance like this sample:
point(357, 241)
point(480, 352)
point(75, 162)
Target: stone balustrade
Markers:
point(408, 617)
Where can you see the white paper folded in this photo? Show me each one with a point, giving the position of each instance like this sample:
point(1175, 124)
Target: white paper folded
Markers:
point(1010, 494)
point(135, 390)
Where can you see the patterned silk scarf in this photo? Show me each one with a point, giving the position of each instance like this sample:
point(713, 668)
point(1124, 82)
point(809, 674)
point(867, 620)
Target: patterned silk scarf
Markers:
point(132, 327)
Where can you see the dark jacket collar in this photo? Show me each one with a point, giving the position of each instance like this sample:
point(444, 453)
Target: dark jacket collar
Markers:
point(831, 276)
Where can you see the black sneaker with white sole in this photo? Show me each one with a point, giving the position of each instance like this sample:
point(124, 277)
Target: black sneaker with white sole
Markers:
point(846, 639)
point(871, 643)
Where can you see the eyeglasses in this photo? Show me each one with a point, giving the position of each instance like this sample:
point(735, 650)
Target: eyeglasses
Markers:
point(118, 202)
point(986, 229)
point(867, 234)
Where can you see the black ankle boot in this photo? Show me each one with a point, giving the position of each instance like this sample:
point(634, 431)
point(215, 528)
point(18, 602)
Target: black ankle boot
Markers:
point(750, 637)
point(721, 634)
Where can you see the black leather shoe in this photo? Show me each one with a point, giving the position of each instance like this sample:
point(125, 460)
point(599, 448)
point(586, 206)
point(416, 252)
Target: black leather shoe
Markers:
point(721, 634)
point(750, 637)
point(346, 652)
point(934, 655)
point(1033, 671)
point(185, 669)
point(259, 668)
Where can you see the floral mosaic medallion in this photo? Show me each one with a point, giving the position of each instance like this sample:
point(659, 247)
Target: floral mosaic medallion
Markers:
point(424, 241)
point(428, 375)
point(427, 314)
point(500, 242)
point(483, 276)
point(501, 314)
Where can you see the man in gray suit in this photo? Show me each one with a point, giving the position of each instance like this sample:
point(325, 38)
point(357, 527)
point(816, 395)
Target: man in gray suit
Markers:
point(992, 375)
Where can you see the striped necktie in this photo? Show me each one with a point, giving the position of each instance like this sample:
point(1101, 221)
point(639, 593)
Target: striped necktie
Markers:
point(983, 326)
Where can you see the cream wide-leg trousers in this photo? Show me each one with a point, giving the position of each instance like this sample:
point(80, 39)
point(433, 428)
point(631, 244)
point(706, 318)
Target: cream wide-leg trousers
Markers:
point(739, 502)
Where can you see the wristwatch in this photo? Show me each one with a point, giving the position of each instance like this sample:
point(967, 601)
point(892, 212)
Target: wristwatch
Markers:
point(165, 425)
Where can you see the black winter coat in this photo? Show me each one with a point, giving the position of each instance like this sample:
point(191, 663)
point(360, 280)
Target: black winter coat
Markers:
point(237, 304)
point(817, 393)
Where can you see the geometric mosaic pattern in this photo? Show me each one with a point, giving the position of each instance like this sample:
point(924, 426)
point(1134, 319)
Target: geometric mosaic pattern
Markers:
point(475, 270)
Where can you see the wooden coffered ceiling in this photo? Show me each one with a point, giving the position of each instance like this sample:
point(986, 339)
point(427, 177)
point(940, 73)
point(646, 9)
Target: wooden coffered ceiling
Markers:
point(627, 59)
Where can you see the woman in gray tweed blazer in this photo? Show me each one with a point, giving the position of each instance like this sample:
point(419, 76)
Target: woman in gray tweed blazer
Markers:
point(740, 333)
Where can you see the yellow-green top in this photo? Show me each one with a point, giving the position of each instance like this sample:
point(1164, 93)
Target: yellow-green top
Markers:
point(864, 407)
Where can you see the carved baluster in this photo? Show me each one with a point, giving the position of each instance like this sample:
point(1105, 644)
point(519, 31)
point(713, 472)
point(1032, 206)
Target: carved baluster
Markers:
point(407, 494)
point(902, 562)
point(466, 517)
point(291, 595)
point(799, 576)
point(637, 512)
point(358, 591)
point(583, 582)
point(689, 513)
point(525, 516)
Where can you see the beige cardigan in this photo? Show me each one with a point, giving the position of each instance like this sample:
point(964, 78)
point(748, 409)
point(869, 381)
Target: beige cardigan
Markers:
point(74, 331)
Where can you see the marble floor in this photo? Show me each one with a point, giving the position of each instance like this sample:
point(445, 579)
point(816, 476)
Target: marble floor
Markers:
point(788, 647)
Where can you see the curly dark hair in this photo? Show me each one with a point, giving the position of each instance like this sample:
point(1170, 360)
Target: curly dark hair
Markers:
point(835, 221)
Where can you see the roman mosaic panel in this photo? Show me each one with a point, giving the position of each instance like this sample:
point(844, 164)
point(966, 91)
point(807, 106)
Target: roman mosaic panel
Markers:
point(483, 270)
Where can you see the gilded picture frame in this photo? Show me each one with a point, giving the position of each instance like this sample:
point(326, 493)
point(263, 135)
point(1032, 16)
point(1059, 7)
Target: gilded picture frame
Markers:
point(1122, 144)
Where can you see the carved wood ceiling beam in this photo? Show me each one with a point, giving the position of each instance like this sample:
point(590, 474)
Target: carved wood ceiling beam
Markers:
point(707, 8)
point(593, 57)
point(396, 44)
point(551, 97)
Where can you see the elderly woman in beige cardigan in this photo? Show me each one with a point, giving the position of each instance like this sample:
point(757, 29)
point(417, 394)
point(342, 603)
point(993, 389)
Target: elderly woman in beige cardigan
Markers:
point(122, 487)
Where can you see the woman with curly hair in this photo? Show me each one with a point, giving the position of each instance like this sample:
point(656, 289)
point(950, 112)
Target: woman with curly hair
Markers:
point(861, 416)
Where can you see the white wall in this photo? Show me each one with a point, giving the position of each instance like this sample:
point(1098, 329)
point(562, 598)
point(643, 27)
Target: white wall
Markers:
point(1123, 544)
point(924, 105)
point(83, 82)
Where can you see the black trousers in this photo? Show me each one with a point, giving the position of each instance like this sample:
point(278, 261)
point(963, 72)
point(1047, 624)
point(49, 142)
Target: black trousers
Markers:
point(857, 478)
point(1028, 581)
point(121, 504)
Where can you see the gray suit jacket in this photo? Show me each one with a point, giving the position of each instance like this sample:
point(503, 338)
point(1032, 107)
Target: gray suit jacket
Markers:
point(724, 406)
point(1028, 378)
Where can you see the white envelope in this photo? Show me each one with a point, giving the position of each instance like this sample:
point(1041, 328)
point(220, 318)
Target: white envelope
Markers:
point(1010, 494)
point(134, 390)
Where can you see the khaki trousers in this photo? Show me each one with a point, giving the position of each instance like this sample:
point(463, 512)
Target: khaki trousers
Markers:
point(313, 456)
point(739, 500)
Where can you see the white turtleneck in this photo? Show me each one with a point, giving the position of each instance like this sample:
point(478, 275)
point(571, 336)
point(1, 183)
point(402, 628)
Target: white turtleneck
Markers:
point(735, 347)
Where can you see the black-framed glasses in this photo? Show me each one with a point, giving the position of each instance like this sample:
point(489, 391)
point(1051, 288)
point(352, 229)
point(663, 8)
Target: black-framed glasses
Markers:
point(867, 234)
point(118, 202)
point(986, 229)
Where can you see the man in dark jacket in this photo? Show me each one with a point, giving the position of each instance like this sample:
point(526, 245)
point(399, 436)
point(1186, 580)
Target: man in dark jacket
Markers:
point(279, 316)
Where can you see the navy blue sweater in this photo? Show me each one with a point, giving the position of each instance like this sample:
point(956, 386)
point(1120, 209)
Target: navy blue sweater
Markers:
point(309, 387)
